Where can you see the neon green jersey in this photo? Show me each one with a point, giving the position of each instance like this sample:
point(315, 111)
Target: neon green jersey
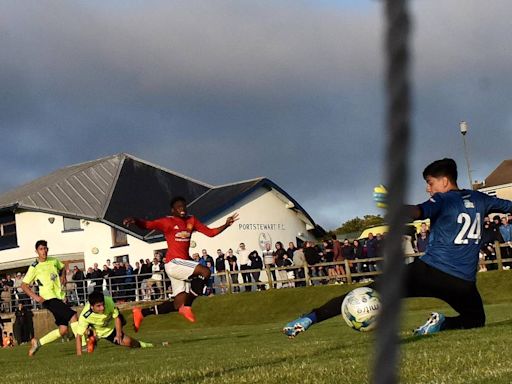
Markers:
point(46, 274)
point(103, 323)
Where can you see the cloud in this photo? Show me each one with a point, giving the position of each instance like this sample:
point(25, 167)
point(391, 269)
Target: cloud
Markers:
point(229, 90)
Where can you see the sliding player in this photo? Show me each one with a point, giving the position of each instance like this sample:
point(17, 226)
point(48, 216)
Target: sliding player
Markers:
point(180, 268)
point(447, 270)
point(102, 316)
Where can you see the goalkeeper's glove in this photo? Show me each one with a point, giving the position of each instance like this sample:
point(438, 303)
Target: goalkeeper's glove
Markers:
point(380, 196)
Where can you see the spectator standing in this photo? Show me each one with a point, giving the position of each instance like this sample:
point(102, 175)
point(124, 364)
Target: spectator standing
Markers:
point(233, 267)
point(145, 271)
point(347, 253)
point(256, 263)
point(487, 245)
point(291, 250)
point(245, 264)
point(279, 253)
point(312, 258)
point(371, 251)
point(299, 261)
point(137, 279)
point(328, 247)
point(97, 278)
point(208, 258)
point(129, 281)
point(506, 234)
point(70, 287)
point(337, 257)
point(79, 279)
point(107, 275)
point(358, 255)
point(380, 246)
point(5, 298)
point(290, 275)
point(10, 283)
point(422, 240)
point(19, 324)
point(155, 280)
point(21, 297)
point(270, 262)
point(220, 268)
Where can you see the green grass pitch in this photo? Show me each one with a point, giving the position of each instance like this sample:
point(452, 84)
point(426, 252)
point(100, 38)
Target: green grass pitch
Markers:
point(237, 339)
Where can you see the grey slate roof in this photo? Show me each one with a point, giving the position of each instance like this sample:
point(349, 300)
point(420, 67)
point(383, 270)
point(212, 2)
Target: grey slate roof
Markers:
point(80, 190)
point(114, 187)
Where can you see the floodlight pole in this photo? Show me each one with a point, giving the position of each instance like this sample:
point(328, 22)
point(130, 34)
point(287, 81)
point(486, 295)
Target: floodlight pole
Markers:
point(463, 126)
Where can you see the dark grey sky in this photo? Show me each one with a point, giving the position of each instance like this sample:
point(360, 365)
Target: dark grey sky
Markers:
point(230, 90)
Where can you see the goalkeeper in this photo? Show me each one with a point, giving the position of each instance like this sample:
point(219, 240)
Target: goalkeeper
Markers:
point(447, 270)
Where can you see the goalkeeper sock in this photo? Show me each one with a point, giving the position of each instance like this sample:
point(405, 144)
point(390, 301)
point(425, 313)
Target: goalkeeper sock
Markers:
point(312, 316)
point(50, 336)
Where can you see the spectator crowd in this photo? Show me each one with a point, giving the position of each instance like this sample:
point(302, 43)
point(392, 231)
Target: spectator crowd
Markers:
point(243, 269)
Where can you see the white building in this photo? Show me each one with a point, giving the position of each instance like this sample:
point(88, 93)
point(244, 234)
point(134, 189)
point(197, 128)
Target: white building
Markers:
point(79, 210)
point(499, 182)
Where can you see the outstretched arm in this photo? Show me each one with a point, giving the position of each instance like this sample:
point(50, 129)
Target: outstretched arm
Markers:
point(129, 221)
point(144, 224)
point(380, 196)
point(210, 232)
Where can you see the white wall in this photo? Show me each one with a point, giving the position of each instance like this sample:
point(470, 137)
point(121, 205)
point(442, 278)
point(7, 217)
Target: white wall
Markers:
point(255, 211)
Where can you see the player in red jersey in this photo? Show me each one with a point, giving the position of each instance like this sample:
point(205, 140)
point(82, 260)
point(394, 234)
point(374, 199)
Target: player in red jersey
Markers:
point(187, 277)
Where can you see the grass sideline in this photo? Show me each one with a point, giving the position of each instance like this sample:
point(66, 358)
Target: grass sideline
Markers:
point(237, 340)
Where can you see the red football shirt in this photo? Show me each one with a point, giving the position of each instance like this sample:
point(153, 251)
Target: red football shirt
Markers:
point(177, 232)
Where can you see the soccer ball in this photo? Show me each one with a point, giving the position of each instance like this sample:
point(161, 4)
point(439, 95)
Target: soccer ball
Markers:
point(360, 308)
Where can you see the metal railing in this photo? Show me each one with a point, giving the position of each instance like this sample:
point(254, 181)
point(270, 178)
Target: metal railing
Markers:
point(156, 286)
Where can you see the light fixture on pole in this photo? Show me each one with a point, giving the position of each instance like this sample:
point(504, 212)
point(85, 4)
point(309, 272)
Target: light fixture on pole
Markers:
point(463, 130)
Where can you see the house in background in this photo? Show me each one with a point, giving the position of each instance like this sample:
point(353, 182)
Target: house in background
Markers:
point(499, 182)
point(79, 210)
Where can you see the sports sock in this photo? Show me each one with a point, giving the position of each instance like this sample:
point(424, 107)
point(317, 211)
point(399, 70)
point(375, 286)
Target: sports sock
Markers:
point(74, 327)
point(50, 336)
point(145, 345)
point(197, 285)
point(330, 309)
point(160, 309)
point(312, 316)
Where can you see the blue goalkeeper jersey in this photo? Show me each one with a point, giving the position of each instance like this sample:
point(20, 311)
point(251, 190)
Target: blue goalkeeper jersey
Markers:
point(456, 221)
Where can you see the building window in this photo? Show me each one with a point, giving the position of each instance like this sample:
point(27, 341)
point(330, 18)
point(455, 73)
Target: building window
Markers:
point(122, 259)
point(119, 238)
point(8, 238)
point(71, 224)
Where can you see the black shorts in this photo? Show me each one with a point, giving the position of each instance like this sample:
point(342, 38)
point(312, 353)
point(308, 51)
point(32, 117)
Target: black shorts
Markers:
point(113, 333)
point(61, 311)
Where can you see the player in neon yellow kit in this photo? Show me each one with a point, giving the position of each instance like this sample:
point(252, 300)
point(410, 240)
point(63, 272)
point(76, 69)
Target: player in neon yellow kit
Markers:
point(45, 271)
point(101, 314)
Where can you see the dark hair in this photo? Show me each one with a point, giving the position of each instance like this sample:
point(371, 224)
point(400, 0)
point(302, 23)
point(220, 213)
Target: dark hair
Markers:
point(174, 200)
point(439, 168)
point(41, 242)
point(96, 297)
point(334, 237)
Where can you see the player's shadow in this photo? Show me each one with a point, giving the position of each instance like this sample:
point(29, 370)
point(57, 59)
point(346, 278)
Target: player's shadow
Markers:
point(499, 323)
point(415, 338)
